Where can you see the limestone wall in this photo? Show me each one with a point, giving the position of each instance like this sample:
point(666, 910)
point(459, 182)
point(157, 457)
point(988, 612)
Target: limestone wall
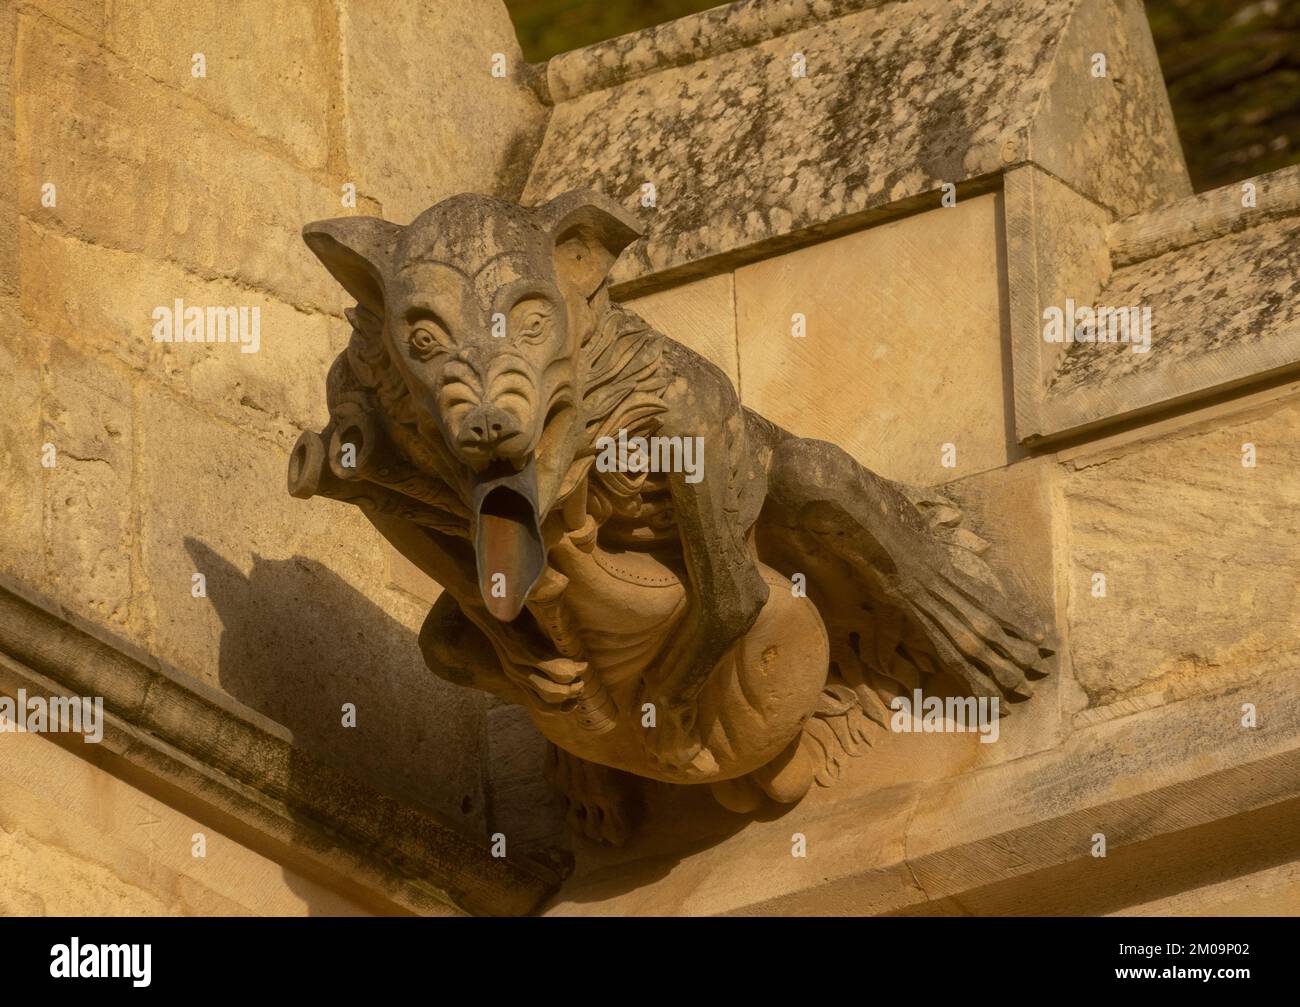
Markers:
point(170, 457)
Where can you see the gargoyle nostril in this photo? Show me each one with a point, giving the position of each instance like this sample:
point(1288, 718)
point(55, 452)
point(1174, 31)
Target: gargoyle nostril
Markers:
point(488, 425)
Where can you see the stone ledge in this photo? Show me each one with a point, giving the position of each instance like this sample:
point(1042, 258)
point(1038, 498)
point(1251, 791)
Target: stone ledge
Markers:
point(211, 757)
point(1167, 787)
point(1204, 217)
point(686, 40)
point(1217, 278)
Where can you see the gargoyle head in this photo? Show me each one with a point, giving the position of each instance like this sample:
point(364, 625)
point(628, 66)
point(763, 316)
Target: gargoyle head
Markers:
point(487, 307)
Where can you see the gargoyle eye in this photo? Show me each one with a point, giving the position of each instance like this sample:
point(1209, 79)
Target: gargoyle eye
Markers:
point(531, 321)
point(427, 338)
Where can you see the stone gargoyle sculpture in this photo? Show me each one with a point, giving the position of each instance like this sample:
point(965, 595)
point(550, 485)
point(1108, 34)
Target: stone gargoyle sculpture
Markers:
point(726, 625)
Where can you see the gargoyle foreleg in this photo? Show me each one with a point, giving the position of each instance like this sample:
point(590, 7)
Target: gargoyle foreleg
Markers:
point(725, 591)
point(599, 802)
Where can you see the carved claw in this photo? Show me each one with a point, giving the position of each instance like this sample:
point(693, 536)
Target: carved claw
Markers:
point(599, 802)
point(674, 742)
point(979, 636)
point(554, 681)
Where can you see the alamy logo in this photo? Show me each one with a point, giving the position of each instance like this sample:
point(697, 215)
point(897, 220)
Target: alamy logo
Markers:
point(1084, 324)
point(55, 715)
point(179, 324)
point(102, 961)
point(953, 714)
point(651, 454)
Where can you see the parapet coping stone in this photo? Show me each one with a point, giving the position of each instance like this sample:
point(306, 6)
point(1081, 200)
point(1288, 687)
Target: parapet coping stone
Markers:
point(1211, 268)
point(900, 101)
point(689, 39)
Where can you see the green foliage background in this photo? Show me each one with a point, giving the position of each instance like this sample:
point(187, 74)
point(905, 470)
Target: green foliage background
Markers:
point(1232, 67)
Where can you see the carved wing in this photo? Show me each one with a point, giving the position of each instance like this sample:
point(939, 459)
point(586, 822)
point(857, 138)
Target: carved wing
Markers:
point(907, 598)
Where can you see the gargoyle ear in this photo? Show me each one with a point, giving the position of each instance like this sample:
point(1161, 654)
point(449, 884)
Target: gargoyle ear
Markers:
point(590, 231)
point(357, 251)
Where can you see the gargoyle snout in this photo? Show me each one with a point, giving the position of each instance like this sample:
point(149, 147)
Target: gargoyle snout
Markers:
point(488, 408)
point(487, 428)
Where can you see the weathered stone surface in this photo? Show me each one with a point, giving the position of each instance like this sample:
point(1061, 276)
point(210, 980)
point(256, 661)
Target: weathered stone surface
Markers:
point(85, 17)
point(899, 99)
point(476, 132)
point(1274, 891)
point(712, 32)
point(1201, 557)
point(1218, 278)
point(272, 69)
point(1056, 250)
point(8, 174)
point(74, 844)
point(89, 525)
point(22, 533)
point(303, 582)
point(1238, 293)
point(522, 805)
point(1184, 795)
point(212, 757)
point(406, 576)
point(1014, 509)
point(905, 348)
point(103, 300)
point(130, 156)
point(1206, 216)
point(1111, 137)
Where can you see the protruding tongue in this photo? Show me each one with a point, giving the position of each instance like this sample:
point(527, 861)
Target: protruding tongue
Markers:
point(508, 540)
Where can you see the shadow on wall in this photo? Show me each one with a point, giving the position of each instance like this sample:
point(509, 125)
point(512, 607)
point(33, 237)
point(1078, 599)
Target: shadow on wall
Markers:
point(298, 642)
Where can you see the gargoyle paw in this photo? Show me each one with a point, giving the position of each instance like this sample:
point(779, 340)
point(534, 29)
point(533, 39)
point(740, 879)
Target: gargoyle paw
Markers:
point(674, 742)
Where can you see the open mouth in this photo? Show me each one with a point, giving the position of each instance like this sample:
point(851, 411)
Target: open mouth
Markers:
point(507, 537)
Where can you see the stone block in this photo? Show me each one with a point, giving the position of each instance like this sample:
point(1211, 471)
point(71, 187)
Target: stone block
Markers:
point(22, 533)
point(522, 805)
point(426, 118)
point(1222, 314)
point(1201, 558)
point(904, 349)
point(75, 840)
point(406, 576)
point(85, 17)
point(8, 180)
point(1012, 509)
point(103, 300)
point(760, 125)
point(1056, 251)
point(140, 167)
point(88, 417)
point(270, 68)
point(1111, 135)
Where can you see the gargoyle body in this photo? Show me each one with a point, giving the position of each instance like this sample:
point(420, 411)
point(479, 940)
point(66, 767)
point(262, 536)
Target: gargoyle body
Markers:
point(730, 625)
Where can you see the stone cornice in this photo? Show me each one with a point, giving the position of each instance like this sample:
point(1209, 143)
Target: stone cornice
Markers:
point(237, 770)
